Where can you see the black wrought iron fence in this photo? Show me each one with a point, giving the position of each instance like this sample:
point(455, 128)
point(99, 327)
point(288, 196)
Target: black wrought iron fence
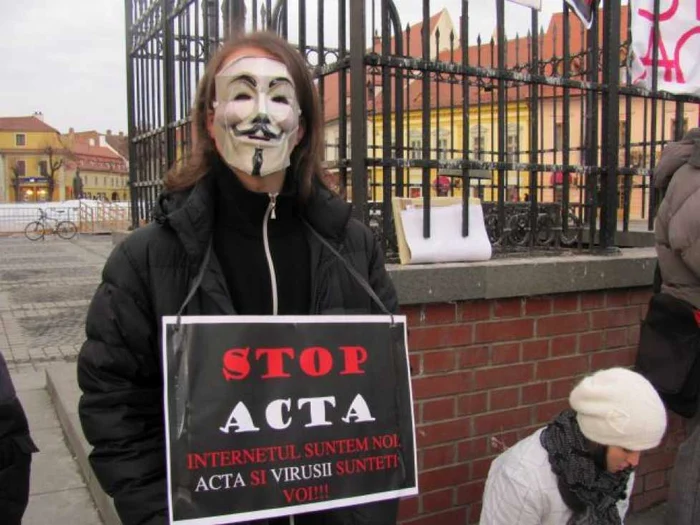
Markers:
point(538, 118)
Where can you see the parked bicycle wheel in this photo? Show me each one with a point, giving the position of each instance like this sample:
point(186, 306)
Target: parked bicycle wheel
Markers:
point(34, 231)
point(66, 229)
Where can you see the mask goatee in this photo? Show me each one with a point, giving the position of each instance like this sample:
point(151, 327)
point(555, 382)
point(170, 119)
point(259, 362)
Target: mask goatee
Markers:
point(257, 162)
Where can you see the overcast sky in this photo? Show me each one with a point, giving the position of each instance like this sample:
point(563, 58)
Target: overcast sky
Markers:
point(66, 58)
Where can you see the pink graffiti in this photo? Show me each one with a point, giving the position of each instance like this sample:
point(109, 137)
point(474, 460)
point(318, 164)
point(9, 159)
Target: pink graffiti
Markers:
point(670, 66)
point(677, 53)
point(666, 15)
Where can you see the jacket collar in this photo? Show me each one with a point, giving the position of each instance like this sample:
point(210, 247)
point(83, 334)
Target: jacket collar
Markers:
point(327, 213)
point(675, 155)
point(190, 213)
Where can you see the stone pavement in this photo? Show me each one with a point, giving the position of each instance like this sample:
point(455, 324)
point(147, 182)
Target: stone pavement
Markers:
point(45, 289)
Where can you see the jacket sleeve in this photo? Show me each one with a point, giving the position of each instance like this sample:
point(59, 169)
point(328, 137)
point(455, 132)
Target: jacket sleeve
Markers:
point(121, 405)
point(509, 500)
point(681, 219)
point(379, 278)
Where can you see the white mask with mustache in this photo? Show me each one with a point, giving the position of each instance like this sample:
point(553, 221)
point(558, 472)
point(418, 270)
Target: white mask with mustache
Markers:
point(256, 115)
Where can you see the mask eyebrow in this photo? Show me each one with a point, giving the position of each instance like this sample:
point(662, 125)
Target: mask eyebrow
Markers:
point(280, 80)
point(246, 79)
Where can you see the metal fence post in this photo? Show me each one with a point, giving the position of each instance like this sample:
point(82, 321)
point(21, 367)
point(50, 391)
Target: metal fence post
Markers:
point(358, 146)
point(611, 117)
point(169, 108)
point(131, 128)
point(502, 113)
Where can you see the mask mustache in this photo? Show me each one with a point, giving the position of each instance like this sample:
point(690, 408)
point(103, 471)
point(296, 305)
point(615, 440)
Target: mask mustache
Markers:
point(259, 127)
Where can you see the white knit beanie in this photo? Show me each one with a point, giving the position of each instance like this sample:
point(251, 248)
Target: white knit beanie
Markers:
point(618, 407)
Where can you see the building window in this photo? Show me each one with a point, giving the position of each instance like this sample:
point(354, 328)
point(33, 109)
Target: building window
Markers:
point(478, 142)
point(440, 138)
point(43, 168)
point(478, 147)
point(415, 192)
point(442, 148)
point(684, 128)
point(513, 144)
point(21, 168)
point(623, 133)
point(559, 136)
point(20, 139)
point(416, 148)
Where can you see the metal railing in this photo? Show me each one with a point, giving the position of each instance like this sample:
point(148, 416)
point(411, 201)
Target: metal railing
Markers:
point(540, 120)
point(91, 217)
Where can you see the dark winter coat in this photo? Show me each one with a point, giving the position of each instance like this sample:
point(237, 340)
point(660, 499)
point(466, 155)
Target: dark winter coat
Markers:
point(16, 448)
point(147, 277)
point(677, 227)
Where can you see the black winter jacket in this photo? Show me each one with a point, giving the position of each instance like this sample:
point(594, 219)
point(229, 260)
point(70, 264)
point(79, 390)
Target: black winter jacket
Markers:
point(16, 448)
point(147, 277)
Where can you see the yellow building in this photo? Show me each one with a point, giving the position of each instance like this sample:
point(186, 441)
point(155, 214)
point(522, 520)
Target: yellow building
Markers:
point(446, 140)
point(448, 123)
point(31, 160)
point(102, 172)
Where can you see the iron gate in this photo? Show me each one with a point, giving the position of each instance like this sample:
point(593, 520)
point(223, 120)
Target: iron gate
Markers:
point(543, 125)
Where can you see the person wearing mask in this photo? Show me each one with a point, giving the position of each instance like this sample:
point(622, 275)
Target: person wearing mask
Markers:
point(579, 469)
point(246, 226)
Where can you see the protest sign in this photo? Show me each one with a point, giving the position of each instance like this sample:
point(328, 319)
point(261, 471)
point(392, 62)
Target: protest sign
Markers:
point(677, 49)
point(275, 416)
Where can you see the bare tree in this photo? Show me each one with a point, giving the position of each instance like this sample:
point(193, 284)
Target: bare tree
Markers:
point(15, 180)
point(52, 168)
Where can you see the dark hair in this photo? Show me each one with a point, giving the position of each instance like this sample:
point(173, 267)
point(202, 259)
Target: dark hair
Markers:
point(305, 162)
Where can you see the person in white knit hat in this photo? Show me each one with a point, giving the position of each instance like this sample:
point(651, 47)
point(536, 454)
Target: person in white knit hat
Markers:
point(579, 469)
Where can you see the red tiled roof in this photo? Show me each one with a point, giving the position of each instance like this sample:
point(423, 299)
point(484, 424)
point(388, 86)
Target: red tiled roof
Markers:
point(517, 49)
point(27, 124)
point(331, 95)
point(85, 136)
point(412, 37)
point(121, 143)
point(412, 46)
point(95, 158)
point(85, 150)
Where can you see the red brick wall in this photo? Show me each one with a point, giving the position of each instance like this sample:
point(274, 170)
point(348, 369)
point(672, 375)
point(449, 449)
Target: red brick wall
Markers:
point(490, 372)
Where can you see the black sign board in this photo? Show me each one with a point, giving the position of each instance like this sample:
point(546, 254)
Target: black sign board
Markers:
point(276, 416)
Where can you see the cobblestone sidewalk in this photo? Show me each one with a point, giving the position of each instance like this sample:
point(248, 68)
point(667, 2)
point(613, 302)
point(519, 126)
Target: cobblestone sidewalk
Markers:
point(45, 290)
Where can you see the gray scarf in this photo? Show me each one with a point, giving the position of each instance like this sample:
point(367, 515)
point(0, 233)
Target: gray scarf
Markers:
point(587, 488)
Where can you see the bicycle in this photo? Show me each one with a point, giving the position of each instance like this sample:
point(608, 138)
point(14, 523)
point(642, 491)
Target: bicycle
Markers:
point(38, 229)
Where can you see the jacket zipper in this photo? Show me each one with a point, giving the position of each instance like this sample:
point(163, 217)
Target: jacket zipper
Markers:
point(270, 214)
